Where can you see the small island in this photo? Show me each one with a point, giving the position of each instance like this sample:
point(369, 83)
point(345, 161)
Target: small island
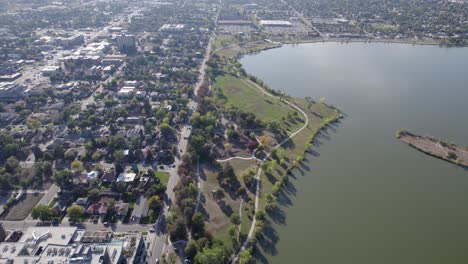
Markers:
point(436, 148)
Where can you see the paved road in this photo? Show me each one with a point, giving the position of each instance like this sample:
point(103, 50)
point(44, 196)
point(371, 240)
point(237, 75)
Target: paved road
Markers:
point(257, 177)
point(160, 245)
point(21, 225)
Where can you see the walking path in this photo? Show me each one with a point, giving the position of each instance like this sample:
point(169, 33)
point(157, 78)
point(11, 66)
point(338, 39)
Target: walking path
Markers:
point(259, 172)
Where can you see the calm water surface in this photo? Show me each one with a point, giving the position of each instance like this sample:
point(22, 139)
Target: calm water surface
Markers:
point(366, 197)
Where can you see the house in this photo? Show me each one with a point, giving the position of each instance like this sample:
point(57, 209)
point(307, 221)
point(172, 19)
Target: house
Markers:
point(108, 177)
point(126, 177)
point(83, 202)
point(59, 208)
point(121, 209)
point(80, 178)
point(97, 209)
point(93, 175)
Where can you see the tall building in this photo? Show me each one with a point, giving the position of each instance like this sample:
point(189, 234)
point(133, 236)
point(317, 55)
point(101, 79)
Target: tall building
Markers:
point(126, 42)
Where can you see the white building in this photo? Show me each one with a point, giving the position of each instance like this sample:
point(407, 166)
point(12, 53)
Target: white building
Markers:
point(126, 177)
point(94, 52)
point(275, 23)
point(62, 245)
point(126, 92)
point(172, 28)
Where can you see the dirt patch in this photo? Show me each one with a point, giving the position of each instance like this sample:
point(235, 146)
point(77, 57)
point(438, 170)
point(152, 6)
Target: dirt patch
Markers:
point(21, 209)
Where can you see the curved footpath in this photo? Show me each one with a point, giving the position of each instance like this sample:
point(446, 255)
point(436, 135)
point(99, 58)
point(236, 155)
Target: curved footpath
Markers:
point(259, 172)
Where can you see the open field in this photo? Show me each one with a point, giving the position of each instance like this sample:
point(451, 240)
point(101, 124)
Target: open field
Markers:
point(21, 209)
point(219, 212)
point(237, 49)
point(223, 41)
point(247, 98)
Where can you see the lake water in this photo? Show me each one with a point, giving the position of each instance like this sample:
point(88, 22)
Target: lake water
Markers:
point(367, 197)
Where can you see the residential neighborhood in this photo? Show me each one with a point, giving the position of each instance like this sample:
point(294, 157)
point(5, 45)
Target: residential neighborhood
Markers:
point(124, 134)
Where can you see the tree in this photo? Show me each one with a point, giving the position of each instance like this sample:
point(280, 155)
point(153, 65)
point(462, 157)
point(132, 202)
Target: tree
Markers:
point(42, 212)
point(198, 223)
point(118, 156)
point(176, 228)
point(191, 249)
point(62, 178)
point(235, 219)
point(77, 165)
point(166, 129)
point(154, 202)
point(273, 165)
point(245, 257)
point(33, 123)
point(11, 149)
point(229, 171)
point(11, 164)
point(219, 194)
point(214, 255)
point(75, 213)
point(93, 195)
point(96, 156)
point(274, 153)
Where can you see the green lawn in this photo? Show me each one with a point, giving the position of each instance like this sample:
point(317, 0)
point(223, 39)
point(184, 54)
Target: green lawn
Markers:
point(162, 176)
point(248, 98)
point(223, 41)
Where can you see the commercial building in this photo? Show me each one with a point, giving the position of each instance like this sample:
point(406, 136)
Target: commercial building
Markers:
point(126, 42)
point(70, 41)
point(94, 52)
point(113, 59)
point(48, 70)
point(275, 23)
point(55, 245)
point(10, 90)
point(10, 77)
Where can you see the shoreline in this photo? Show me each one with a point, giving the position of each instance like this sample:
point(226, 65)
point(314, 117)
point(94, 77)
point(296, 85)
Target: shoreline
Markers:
point(389, 41)
point(280, 43)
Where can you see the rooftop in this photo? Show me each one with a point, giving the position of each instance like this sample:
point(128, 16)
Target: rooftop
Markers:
point(126, 177)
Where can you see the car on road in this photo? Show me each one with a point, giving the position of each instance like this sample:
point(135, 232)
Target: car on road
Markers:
point(152, 230)
point(157, 261)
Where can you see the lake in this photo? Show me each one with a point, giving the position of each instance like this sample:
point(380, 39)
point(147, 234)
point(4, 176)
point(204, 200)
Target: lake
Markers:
point(367, 197)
